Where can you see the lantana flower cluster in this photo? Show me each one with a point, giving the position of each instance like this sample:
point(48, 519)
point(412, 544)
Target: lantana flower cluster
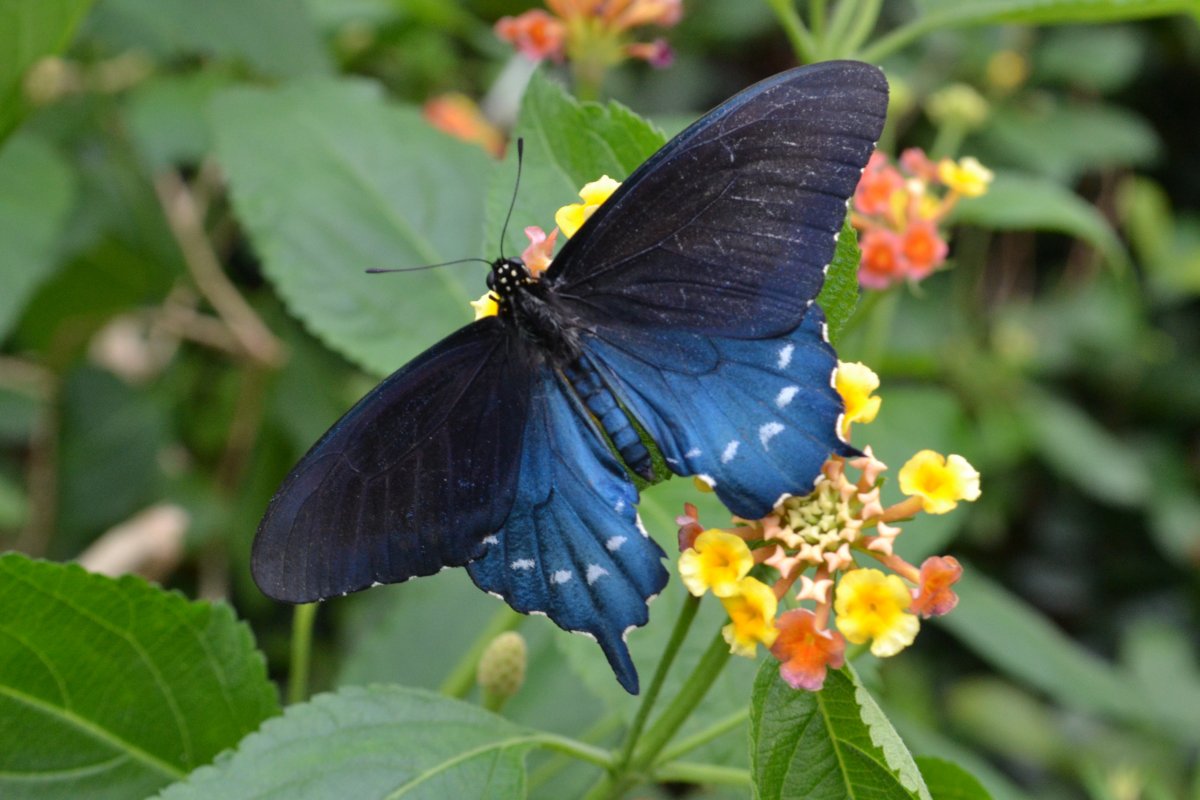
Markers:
point(897, 212)
point(812, 549)
point(592, 31)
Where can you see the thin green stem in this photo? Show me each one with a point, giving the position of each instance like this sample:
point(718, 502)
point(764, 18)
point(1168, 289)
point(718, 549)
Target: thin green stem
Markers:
point(462, 677)
point(599, 730)
point(844, 14)
point(690, 695)
point(686, 616)
point(576, 749)
point(898, 39)
point(803, 44)
point(860, 27)
point(816, 17)
point(302, 634)
point(703, 737)
point(705, 774)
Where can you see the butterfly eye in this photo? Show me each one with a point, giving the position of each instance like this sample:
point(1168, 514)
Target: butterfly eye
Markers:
point(491, 281)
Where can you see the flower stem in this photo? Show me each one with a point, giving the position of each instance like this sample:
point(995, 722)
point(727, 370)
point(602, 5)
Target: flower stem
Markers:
point(861, 26)
point(801, 40)
point(302, 629)
point(689, 772)
point(701, 738)
point(686, 615)
point(462, 677)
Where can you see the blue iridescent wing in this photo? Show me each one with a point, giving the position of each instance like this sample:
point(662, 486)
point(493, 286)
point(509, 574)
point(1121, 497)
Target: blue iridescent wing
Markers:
point(573, 547)
point(756, 417)
point(410, 480)
point(726, 231)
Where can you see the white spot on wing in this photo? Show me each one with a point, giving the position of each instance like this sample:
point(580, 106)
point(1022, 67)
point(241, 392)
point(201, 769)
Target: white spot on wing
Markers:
point(620, 506)
point(731, 449)
point(693, 453)
point(493, 539)
point(614, 543)
point(641, 527)
point(594, 573)
point(768, 431)
point(785, 355)
point(786, 395)
point(562, 576)
point(522, 563)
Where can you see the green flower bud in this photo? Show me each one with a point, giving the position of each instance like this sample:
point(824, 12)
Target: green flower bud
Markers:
point(502, 668)
point(959, 105)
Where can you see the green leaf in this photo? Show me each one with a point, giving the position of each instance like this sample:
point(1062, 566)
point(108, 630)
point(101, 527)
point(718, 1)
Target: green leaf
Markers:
point(114, 688)
point(949, 13)
point(166, 117)
point(948, 781)
point(831, 743)
point(29, 31)
point(1024, 202)
point(274, 37)
point(567, 144)
point(839, 295)
point(329, 181)
point(1013, 637)
point(37, 189)
point(382, 741)
point(1082, 452)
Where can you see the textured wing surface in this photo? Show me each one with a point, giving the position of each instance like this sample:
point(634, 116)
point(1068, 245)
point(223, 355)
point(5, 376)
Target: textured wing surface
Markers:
point(727, 229)
point(573, 547)
point(410, 480)
point(756, 417)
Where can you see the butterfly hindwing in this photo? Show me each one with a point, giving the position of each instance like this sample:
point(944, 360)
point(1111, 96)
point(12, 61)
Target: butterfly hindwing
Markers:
point(410, 480)
point(756, 417)
point(727, 229)
point(573, 547)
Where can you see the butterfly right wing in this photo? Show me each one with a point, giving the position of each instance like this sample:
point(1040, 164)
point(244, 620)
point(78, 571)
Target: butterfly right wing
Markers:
point(410, 480)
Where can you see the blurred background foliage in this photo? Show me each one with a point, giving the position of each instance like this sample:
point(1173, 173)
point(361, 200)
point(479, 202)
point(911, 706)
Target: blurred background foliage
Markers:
point(170, 347)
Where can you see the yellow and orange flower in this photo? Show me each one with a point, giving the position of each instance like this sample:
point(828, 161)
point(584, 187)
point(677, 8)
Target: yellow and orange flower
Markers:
point(717, 561)
point(752, 613)
point(934, 596)
point(571, 218)
point(873, 606)
point(806, 649)
point(856, 382)
point(939, 482)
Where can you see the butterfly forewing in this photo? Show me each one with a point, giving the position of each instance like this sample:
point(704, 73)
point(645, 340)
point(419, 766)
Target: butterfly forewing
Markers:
point(410, 480)
point(727, 230)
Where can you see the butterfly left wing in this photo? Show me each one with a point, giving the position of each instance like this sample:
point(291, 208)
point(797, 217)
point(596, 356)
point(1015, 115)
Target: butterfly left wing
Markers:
point(573, 547)
point(410, 480)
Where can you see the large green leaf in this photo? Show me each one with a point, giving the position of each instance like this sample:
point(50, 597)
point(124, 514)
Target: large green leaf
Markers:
point(833, 743)
point(1025, 202)
point(839, 295)
point(377, 742)
point(567, 144)
point(329, 180)
point(29, 31)
point(114, 688)
point(275, 37)
point(948, 781)
point(36, 192)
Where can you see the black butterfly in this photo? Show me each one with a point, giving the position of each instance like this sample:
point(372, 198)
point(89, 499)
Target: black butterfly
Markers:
point(685, 301)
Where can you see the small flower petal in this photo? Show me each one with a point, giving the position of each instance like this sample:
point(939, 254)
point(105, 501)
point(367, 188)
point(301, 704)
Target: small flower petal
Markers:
point(718, 561)
point(540, 250)
point(940, 482)
point(882, 262)
point(535, 34)
point(934, 597)
point(752, 611)
point(967, 176)
point(873, 606)
point(486, 306)
point(570, 218)
point(806, 650)
point(855, 382)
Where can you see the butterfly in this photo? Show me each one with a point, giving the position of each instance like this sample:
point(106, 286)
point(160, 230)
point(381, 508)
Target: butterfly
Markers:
point(684, 304)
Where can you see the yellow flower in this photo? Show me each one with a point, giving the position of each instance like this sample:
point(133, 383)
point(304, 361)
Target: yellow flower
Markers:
point(571, 218)
point(967, 176)
point(872, 605)
point(485, 306)
point(855, 382)
point(718, 561)
point(940, 482)
point(752, 611)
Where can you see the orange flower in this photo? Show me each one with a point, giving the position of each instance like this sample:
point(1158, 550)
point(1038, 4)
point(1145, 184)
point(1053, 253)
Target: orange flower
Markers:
point(540, 250)
point(535, 34)
point(935, 597)
point(878, 185)
point(458, 115)
point(689, 527)
point(882, 259)
point(923, 249)
point(806, 650)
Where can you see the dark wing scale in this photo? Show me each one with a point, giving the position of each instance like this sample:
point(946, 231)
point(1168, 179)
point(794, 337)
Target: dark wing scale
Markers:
point(410, 480)
point(727, 230)
point(756, 417)
point(573, 547)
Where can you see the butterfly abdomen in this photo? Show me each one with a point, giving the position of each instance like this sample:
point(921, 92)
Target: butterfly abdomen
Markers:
point(612, 418)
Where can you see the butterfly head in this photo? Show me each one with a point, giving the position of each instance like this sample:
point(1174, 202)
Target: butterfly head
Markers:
point(507, 275)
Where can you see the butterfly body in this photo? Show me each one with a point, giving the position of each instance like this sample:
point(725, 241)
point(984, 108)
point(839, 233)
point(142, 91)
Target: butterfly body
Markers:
point(684, 304)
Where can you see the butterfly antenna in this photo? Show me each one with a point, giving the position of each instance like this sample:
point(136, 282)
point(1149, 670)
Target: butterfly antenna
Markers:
point(378, 270)
point(512, 203)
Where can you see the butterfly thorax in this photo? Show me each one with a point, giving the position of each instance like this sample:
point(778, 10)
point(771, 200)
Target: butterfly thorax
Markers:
point(531, 306)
